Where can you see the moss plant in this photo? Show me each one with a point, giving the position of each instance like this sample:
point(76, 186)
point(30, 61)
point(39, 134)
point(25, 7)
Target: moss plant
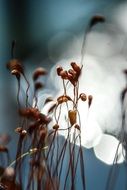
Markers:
point(40, 145)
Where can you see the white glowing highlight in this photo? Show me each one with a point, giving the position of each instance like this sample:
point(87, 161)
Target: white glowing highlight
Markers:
point(107, 148)
point(102, 77)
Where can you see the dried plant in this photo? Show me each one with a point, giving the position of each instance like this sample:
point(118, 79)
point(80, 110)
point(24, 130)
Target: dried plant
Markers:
point(39, 149)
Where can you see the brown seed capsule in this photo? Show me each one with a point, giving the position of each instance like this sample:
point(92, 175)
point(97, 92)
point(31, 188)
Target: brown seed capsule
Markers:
point(56, 127)
point(76, 68)
point(83, 97)
point(77, 126)
point(38, 86)
point(59, 69)
point(20, 131)
point(96, 19)
point(90, 98)
point(64, 75)
point(15, 67)
point(39, 72)
point(72, 72)
point(63, 99)
point(72, 114)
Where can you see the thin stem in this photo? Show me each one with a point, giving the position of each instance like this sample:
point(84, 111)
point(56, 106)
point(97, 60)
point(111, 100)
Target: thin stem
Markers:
point(30, 152)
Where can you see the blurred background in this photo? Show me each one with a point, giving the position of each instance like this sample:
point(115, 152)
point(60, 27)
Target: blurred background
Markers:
point(41, 28)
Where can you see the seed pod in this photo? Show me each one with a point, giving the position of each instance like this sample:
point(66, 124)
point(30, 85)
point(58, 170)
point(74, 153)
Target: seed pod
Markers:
point(39, 72)
point(59, 69)
point(83, 97)
point(63, 99)
point(96, 19)
point(90, 98)
point(72, 72)
point(21, 131)
point(72, 114)
point(76, 68)
point(77, 126)
point(15, 67)
point(38, 86)
point(18, 130)
point(64, 75)
point(56, 127)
